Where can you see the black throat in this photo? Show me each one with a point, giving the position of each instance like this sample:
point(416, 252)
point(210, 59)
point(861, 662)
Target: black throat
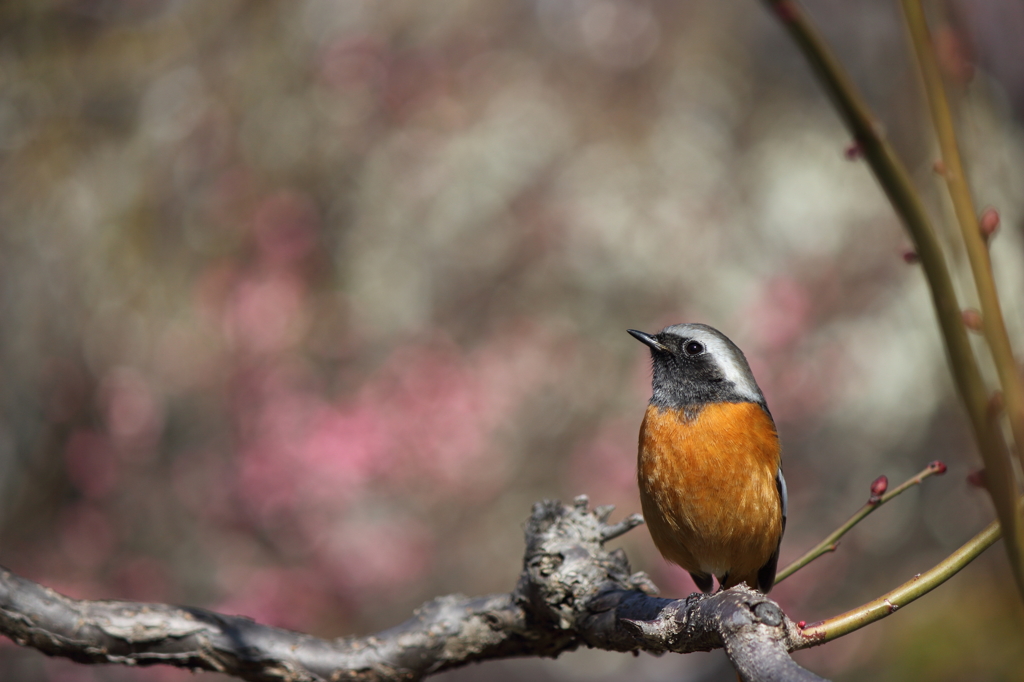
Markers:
point(687, 384)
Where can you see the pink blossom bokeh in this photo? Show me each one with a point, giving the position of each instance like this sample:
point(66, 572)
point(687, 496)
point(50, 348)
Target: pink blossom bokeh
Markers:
point(307, 303)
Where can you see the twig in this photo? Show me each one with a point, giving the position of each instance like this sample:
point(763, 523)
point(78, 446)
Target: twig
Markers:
point(960, 194)
point(992, 325)
point(897, 185)
point(877, 499)
point(624, 526)
point(918, 586)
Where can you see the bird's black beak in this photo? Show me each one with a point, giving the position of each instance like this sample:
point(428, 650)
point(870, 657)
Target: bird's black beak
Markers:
point(647, 339)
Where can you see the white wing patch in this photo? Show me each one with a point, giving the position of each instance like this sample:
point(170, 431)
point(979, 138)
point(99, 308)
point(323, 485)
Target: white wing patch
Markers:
point(784, 494)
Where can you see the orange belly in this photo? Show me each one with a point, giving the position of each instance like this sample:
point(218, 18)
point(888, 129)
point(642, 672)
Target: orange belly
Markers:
point(707, 488)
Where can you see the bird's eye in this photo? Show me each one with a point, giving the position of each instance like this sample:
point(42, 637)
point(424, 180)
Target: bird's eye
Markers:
point(694, 348)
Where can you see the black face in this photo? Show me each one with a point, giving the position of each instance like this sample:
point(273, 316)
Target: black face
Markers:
point(686, 374)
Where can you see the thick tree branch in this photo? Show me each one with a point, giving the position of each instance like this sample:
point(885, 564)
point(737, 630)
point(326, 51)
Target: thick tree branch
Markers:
point(571, 593)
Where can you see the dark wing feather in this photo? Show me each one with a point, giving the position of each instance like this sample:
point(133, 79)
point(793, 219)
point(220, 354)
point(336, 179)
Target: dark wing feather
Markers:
point(766, 574)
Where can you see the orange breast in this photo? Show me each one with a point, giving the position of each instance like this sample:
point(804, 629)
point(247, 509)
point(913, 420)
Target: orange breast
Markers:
point(707, 488)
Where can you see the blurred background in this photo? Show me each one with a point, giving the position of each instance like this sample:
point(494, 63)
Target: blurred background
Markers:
point(305, 303)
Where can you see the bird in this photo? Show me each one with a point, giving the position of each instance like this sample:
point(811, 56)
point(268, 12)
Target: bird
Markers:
point(709, 461)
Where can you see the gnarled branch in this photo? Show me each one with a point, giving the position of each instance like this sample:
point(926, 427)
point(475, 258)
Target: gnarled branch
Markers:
point(571, 593)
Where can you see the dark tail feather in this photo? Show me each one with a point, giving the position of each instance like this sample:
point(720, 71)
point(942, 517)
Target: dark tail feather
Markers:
point(705, 582)
point(766, 574)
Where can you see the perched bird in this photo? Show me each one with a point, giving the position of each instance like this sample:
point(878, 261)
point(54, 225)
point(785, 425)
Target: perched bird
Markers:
point(709, 463)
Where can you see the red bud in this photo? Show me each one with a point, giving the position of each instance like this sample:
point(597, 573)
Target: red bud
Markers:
point(937, 467)
point(910, 257)
point(977, 478)
point(785, 10)
point(880, 485)
point(853, 151)
point(988, 222)
point(995, 403)
point(972, 319)
point(953, 54)
point(802, 624)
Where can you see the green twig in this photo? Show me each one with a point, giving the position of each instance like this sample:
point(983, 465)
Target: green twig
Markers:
point(992, 325)
point(876, 500)
point(897, 185)
point(918, 586)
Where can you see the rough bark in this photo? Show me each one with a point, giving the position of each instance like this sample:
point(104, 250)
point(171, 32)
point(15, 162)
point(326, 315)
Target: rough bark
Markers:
point(571, 593)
